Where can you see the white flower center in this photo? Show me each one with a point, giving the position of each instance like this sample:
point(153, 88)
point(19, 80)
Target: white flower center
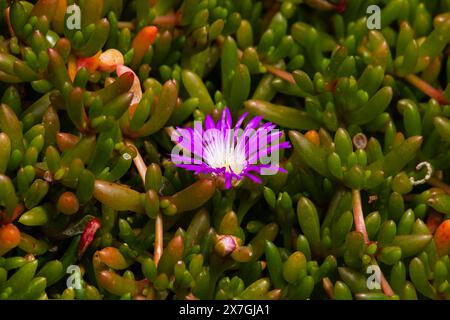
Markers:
point(220, 152)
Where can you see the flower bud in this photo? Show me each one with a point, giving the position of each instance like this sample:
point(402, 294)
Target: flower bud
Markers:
point(226, 244)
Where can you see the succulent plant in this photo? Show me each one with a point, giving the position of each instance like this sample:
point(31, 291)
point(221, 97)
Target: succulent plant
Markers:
point(93, 204)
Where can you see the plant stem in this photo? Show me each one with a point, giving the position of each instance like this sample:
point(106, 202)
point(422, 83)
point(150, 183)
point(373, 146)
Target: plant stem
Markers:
point(384, 284)
point(426, 88)
point(360, 226)
point(358, 215)
point(271, 12)
point(386, 287)
point(159, 226)
point(280, 73)
point(138, 161)
point(8, 22)
point(126, 24)
point(328, 287)
point(158, 251)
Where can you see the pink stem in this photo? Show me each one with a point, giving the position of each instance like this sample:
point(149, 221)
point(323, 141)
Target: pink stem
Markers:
point(360, 226)
point(280, 73)
point(126, 24)
point(426, 88)
point(387, 290)
point(158, 251)
point(328, 287)
point(138, 161)
point(142, 169)
point(358, 215)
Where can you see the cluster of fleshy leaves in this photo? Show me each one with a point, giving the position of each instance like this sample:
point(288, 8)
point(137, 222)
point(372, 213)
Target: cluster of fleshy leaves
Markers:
point(86, 179)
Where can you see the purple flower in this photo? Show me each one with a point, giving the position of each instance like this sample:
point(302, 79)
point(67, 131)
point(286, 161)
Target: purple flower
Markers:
point(231, 152)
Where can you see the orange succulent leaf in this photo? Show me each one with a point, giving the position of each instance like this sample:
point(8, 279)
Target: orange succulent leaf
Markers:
point(442, 238)
point(143, 40)
point(313, 137)
point(90, 63)
point(72, 67)
point(9, 238)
